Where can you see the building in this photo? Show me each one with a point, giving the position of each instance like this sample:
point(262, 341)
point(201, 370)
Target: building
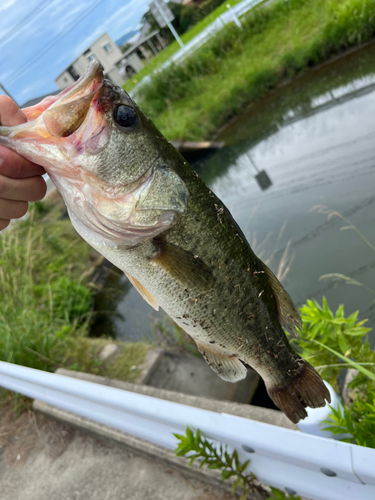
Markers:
point(146, 45)
point(117, 67)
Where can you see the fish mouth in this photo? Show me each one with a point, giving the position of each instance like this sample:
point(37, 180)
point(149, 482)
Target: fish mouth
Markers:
point(90, 81)
point(68, 113)
point(60, 116)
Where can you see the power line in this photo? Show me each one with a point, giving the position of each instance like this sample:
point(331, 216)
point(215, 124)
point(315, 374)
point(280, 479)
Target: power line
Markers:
point(31, 61)
point(24, 21)
point(6, 92)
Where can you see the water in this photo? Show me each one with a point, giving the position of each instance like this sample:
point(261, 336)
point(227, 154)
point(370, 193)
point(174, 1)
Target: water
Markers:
point(121, 312)
point(310, 143)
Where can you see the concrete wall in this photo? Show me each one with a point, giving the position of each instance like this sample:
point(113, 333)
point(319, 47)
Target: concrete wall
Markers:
point(106, 59)
point(81, 64)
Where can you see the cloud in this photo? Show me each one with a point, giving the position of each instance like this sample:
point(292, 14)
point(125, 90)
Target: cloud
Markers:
point(58, 19)
point(6, 4)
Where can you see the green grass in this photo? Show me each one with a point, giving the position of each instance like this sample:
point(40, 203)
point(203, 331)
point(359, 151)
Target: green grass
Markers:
point(174, 46)
point(46, 300)
point(194, 99)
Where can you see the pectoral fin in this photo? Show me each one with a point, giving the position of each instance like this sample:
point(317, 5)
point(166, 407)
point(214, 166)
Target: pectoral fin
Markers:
point(190, 270)
point(288, 315)
point(144, 293)
point(229, 368)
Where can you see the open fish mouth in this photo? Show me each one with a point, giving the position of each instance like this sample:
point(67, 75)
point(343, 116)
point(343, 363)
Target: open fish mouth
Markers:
point(60, 116)
point(88, 139)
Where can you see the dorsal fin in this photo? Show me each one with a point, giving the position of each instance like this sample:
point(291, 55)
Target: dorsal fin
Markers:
point(288, 315)
point(229, 368)
point(144, 293)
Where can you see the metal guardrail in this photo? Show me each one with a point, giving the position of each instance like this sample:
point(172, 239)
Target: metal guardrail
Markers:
point(314, 467)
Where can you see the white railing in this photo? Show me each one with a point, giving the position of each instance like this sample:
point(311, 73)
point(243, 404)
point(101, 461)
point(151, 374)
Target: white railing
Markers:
point(202, 37)
point(280, 457)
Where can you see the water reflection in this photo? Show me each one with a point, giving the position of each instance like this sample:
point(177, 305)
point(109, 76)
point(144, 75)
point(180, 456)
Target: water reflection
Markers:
point(315, 139)
point(112, 292)
point(308, 143)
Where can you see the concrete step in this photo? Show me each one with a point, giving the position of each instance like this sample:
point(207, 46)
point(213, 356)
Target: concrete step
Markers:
point(190, 374)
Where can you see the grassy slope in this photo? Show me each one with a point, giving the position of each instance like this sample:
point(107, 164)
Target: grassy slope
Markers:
point(174, 46)
point(46, 300)
point(290, 38)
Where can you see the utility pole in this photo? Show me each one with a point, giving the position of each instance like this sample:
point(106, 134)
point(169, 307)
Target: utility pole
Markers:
point(6, 92)
point(163, 16)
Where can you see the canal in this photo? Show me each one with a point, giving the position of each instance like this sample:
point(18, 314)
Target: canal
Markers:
point(304, 151)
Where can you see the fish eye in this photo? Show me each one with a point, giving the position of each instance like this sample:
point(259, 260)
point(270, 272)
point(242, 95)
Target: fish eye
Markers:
point(125, 117)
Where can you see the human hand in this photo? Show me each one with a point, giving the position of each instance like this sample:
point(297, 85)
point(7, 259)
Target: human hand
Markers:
point(21, 180)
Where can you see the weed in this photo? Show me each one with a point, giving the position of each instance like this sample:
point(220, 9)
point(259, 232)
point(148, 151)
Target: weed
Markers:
point(358, 420)
point(326, 335)
point(173, 336)
point(195, 98)
point(174, 46)
point(216, 456)
point(126, 365)
point(332, 342)
point(43, 301)
point(46, 301)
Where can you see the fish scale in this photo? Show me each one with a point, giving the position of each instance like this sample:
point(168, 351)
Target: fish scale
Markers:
point(135, 199)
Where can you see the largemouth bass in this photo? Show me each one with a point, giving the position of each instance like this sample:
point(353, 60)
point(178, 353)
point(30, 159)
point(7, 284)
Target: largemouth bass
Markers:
point(135, 199)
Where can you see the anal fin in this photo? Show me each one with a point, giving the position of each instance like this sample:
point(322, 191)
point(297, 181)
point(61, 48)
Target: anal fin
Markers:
point(229, 368)
point(143, 292)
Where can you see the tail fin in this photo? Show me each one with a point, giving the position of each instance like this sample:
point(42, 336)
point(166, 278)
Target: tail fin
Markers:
point(306, 389)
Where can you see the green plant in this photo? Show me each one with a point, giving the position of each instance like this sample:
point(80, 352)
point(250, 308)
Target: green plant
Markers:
point(173, 336)
point(280, 495)
point(46, 301)
point(237, 67)
point(195, 447)
point(207, 453)
point(331, 342)
point(326, 336)
point(358, 420)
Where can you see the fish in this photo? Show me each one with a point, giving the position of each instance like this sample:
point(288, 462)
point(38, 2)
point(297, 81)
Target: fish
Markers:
point(138, 202)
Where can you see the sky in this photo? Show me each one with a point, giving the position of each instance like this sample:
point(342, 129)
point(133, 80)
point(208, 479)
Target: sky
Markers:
point(40, 38)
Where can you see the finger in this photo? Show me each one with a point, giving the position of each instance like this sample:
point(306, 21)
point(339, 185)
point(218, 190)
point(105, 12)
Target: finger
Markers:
point(4, 223)
point(10, 209)
point(11, 163)
point(14, 165)
point(30, 189)
point(10, 113)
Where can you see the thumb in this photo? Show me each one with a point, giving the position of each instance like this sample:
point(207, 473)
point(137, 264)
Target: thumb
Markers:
point(10, 113)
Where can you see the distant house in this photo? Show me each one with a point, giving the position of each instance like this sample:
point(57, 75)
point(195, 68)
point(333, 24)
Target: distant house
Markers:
point(146, 45)
point(117, 67)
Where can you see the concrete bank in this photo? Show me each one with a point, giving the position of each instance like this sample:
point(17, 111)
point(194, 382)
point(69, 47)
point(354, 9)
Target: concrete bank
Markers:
point(148, 450)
